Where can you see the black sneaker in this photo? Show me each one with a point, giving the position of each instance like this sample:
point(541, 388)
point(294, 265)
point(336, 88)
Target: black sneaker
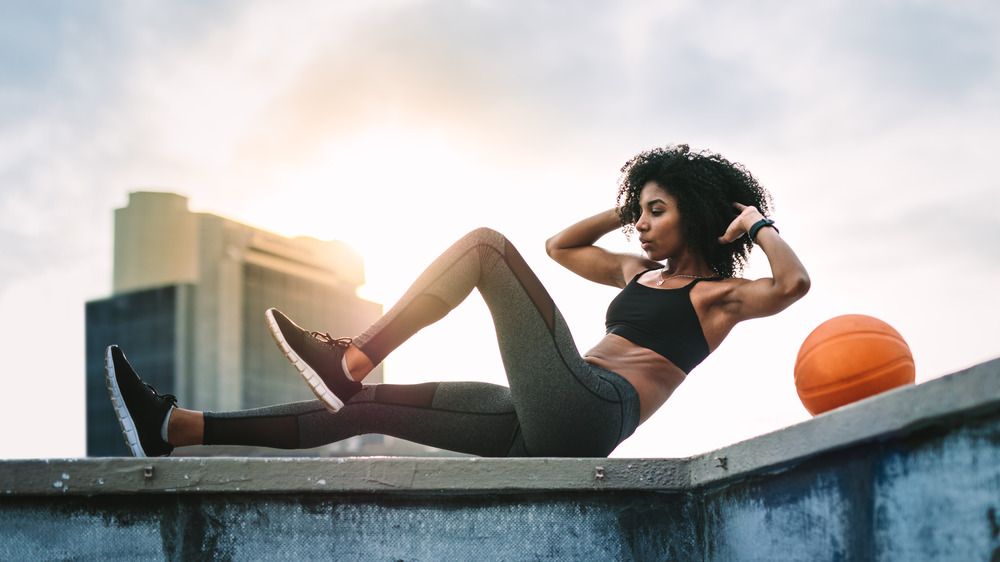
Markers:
point(318, 357)
point(140, 409)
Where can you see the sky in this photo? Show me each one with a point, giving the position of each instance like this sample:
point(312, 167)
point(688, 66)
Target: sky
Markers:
point(397, 126)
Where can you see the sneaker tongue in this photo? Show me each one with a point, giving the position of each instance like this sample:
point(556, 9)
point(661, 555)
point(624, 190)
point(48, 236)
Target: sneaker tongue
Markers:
point(326, 338)
point(168, 397)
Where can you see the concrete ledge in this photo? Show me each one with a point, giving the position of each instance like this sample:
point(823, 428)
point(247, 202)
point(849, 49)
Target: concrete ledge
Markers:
point(85, 477)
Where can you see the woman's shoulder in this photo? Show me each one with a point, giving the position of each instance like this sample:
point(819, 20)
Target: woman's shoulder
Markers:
point(723, 284)
point(634, 269)
point(716, 290)
point(720, 298)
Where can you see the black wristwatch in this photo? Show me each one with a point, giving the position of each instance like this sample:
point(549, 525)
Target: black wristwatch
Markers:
point(759, 225)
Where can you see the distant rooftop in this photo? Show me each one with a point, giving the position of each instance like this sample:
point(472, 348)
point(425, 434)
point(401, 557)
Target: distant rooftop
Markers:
point(158, 241)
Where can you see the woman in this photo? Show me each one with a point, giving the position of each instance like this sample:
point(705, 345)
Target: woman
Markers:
point(697, 215)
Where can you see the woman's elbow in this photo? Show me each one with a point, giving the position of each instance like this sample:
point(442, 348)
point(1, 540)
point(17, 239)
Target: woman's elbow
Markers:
point(552, 246)
point(798, 286)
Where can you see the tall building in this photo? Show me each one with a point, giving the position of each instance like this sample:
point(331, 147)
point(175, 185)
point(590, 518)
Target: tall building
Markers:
point(187, 308)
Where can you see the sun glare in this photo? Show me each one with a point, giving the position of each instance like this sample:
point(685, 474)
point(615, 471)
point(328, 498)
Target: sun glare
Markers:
point(384, 191)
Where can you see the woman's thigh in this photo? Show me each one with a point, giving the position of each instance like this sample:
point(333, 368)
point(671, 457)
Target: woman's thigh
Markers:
point(566, 407)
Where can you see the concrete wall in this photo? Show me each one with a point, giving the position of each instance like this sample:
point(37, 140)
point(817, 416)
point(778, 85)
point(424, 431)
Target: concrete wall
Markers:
point(913, 474)
point(929, 496)
point(910, 475)
point(347, 527)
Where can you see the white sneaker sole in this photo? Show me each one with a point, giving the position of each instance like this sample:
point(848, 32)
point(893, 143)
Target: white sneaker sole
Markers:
point(129, 431)
point(330, 400)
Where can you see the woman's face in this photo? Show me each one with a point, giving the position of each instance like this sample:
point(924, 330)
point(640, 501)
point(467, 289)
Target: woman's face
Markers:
point(659, 224)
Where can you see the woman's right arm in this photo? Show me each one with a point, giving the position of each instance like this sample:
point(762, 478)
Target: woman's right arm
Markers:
point(574, 249)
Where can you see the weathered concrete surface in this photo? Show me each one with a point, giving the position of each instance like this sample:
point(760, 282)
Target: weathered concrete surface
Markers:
point(323, 526)
point(913, 474)
point(933, 494)
point(910, 475)
point(187, 475)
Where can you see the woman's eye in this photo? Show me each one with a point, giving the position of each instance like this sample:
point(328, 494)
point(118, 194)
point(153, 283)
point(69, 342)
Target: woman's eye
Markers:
point(656, 213)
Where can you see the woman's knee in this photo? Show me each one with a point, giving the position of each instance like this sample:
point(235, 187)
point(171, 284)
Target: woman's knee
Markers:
point(486, 235)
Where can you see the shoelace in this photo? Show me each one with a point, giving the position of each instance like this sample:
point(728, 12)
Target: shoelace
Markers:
point(330, 341)
point(168, 397)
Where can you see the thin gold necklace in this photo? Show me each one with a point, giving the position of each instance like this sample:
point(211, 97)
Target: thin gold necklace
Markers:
point(665, 279)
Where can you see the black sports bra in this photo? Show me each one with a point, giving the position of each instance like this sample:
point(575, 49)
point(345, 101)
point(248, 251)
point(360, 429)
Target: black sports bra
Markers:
point(663, 320)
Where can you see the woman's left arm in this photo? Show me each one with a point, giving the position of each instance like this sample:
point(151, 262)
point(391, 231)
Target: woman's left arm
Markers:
point(789, 280)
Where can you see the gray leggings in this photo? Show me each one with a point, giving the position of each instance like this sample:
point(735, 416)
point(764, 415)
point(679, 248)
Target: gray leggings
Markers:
point(557, 405)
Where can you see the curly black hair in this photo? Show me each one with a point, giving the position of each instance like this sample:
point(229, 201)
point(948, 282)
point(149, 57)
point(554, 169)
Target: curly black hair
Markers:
point(705, 185)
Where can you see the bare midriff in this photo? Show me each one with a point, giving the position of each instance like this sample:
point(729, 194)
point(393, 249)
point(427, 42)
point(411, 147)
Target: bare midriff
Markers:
point(653, 376)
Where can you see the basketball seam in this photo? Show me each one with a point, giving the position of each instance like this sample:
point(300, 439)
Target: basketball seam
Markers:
point(810, 392)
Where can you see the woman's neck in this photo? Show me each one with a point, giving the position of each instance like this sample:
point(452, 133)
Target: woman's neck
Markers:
point(687, 265)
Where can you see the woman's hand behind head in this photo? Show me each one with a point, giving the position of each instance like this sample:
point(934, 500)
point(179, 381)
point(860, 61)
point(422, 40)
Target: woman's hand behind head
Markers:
point(741, 224)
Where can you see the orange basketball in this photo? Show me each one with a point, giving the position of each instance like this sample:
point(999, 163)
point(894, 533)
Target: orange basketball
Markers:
point(848, 358)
